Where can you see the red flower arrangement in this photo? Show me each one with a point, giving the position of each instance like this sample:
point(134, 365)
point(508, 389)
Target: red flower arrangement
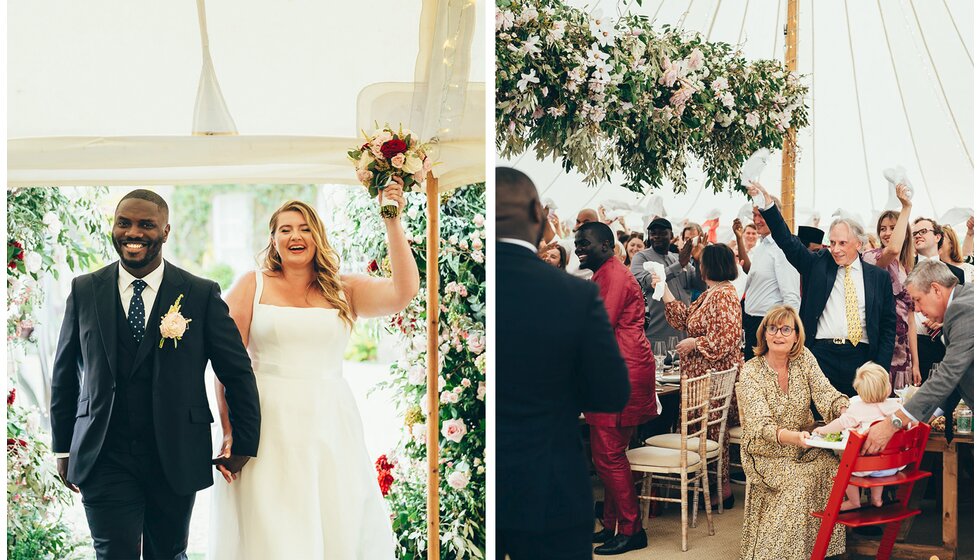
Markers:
point(11, 396)
point(385, 480)
point(15, 252)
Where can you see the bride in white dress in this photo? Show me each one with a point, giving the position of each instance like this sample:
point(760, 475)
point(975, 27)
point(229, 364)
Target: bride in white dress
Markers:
point(311, 492)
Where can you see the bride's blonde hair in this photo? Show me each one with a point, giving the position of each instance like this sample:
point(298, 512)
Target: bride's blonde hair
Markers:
point(326, 262)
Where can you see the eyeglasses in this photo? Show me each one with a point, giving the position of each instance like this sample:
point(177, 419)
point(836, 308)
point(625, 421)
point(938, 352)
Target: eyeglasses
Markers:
point(784, 330)
point(921, 232)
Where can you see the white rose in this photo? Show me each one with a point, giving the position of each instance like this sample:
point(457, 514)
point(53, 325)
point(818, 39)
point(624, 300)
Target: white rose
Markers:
point(752, 119)
point(33, 262)
point(458, 479)
point(478, 220)
point(418, 432)
point(441, 384)
point(52, 222)
point(412, 164)
point(454, 430)
point(477, 244)
point(416, 375)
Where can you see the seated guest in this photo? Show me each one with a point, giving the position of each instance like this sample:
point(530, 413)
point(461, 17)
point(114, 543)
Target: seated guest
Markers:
point(938, 296)
point(788, 478)
point(847, 303)
point(555, 255)
point(551, 367)
point(610, 433)
point(869, 406)
point(950, 253)
point(714, 327)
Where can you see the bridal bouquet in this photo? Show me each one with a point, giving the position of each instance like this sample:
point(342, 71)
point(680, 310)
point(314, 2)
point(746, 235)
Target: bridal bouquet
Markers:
point(388, 154)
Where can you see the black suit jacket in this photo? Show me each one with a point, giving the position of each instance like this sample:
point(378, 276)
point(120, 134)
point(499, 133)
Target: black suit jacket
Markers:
point(85, 372)
point(819, 271)
point(556, 357)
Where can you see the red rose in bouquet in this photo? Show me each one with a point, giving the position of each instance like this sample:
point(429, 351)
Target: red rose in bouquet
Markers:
point(393, 147)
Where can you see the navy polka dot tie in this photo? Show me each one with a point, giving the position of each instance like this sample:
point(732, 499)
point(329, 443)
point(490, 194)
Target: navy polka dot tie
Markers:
point(137, 313)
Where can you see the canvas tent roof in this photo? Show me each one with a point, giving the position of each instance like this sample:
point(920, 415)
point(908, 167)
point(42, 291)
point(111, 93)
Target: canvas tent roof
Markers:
point(104, 93)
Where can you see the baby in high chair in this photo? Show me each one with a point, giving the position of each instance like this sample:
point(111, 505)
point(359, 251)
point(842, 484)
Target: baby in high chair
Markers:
point(870, 405)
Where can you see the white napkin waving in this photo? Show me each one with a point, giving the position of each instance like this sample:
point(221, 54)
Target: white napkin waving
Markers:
point(753, 167)
point(956, 216)
point(658, 269)
point(894, 176)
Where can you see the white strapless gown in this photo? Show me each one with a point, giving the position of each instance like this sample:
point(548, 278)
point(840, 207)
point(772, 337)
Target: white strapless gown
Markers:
point(312, 492)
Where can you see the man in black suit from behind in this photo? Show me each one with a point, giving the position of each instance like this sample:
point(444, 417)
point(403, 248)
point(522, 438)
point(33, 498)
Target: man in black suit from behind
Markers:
point(130, 421)
point(556, 357)
point(848, 309)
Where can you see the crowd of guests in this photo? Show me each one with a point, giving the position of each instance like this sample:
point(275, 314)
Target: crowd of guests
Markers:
point(799, 315)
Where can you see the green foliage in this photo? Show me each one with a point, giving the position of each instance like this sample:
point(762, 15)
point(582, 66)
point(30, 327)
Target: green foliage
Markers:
point(605, 95)
point(221, 273)
point(363, 344)
point(35, 528)
point(462, 366)
point(40, 220)
point(195, 202)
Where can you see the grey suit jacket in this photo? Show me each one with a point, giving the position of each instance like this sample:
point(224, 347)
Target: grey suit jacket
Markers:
point(956, 369)
point(680, 280)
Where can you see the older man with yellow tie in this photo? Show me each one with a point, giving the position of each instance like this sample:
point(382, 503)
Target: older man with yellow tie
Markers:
point(848, 309)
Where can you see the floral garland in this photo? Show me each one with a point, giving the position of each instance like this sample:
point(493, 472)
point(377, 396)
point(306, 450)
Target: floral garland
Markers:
point(39, 220)
point(605, 95)
point(462, 366)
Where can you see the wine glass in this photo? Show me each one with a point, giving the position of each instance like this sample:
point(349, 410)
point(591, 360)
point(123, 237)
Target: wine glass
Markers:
point(659, 352)
point(672, 351)
point(741, 342)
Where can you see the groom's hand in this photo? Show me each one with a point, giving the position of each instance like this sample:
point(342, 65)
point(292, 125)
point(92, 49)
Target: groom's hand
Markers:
point(230, 466)
point(63, 473)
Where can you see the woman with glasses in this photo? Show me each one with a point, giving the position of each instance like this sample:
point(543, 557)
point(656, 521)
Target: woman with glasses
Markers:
point(897, 258)
point(789, 479)
point(713, 323)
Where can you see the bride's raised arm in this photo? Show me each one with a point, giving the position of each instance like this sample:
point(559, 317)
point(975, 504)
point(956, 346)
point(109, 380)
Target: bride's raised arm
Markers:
point(374, 297)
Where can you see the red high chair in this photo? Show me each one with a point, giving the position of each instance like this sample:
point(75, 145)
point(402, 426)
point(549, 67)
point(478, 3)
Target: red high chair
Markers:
point(904, 449)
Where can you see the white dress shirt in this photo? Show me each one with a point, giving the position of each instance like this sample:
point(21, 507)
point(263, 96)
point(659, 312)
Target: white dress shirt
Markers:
point(833, 320)
point(149, 294)
point(771, 281)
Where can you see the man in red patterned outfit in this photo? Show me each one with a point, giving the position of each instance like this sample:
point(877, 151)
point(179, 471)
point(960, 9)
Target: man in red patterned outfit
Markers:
point(610, 433)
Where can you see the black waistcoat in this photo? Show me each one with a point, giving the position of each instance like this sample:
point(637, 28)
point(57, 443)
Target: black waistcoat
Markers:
point(131, 422)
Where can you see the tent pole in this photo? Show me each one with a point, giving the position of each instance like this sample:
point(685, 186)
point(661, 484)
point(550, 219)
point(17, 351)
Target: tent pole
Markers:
point(789, 144)
point(432, 392)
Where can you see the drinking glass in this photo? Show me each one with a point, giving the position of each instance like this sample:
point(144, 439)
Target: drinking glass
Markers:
point(742, 339)
point(672, 351)
point(659, 352)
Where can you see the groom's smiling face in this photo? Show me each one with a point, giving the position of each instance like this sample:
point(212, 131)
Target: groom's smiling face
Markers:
point(139, 231)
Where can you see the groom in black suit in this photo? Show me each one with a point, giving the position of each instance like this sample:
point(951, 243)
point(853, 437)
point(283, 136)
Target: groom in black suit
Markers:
point(130, 419)
point(556, 357)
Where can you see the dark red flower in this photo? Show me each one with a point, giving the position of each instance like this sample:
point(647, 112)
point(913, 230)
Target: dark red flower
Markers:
point(392, 148)
point(12, 265)
point(20, 256)
point(17, 244)
point(11, 443)
point(11, 396)
point(373, 266)
point(385, 480)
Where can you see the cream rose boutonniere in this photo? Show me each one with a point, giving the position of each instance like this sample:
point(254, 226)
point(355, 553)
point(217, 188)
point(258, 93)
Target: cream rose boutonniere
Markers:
point(173, 324)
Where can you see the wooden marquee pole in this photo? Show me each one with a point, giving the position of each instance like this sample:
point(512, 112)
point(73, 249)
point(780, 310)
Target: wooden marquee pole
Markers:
point(432, 383)
point(789, 144)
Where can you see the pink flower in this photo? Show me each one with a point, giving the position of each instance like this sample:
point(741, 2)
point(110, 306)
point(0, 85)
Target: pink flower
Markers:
point(465, 382)
point(364, 176)
point(458, 479)
point(752, 119)
point(454, 430)
point(481, 391)
point(398, 161)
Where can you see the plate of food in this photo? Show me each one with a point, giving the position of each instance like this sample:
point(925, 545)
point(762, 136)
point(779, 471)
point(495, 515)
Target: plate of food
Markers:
point(835, 440)
point(669, 378)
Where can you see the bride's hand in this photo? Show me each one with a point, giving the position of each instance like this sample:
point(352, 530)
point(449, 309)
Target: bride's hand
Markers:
point(226, 452)
point(395, 192)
